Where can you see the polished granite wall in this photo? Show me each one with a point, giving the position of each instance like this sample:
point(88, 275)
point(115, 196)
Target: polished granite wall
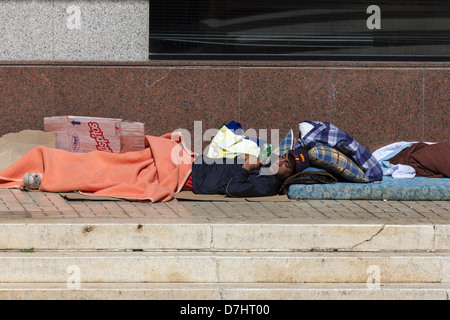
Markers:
point(377, 103)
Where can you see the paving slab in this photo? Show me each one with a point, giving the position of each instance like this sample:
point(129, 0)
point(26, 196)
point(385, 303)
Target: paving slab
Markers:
point(46, 221)
point(17, 204)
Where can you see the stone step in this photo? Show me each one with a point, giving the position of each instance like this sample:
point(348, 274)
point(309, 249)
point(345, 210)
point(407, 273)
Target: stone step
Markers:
point(129, 234)
point(235, 267)
point(224, 291)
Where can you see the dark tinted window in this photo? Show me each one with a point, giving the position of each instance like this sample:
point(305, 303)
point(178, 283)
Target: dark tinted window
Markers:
point(300, 28)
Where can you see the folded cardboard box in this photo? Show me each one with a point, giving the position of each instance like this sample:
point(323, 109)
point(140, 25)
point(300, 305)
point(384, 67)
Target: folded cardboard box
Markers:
point(133, 136)
point(15, 145)
point(84, 134)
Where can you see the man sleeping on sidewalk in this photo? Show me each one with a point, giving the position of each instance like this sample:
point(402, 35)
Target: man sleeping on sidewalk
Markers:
point(250, 179)
point(150, 175)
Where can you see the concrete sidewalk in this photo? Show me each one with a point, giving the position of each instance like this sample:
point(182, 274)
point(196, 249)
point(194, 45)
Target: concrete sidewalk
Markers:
point(320, 225)
point(222, 250)
point(18, 204)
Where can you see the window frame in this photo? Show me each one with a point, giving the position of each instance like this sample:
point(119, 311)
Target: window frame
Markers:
point(299, 56)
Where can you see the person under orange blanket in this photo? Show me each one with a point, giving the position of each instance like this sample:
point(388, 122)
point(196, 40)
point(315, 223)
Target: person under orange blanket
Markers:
point(153, 174)
point(149, 175)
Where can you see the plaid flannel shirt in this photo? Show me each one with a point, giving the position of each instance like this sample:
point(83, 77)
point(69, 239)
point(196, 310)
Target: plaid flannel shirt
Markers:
point(328, 134)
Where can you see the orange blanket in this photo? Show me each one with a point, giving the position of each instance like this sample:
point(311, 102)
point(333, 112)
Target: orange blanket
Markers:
point(154, 174)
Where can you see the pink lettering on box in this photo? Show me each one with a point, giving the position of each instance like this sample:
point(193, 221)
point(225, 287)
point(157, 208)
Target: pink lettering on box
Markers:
point(96, 133)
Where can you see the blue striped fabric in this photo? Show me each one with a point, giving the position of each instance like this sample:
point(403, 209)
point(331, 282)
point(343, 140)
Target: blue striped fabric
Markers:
point(287, 143)
point(332, 160)
point(325, 133)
